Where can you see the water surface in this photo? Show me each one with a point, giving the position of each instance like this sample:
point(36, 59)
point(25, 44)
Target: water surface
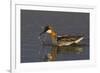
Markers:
point(73, 23)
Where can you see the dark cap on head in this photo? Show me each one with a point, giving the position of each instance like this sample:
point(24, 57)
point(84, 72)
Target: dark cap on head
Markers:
point(46, 28)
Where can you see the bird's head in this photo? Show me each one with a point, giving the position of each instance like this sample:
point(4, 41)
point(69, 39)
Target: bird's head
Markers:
point(47, 29)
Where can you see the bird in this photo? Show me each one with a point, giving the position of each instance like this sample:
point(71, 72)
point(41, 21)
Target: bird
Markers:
point(62, 40)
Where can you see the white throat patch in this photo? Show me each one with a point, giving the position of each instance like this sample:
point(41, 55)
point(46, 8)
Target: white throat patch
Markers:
point(49, 31)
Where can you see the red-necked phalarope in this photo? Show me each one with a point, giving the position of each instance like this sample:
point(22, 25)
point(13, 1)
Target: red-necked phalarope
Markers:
point(64, 40)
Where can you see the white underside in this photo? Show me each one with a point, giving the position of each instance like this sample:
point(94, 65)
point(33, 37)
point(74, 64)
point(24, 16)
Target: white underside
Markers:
point(65, 44)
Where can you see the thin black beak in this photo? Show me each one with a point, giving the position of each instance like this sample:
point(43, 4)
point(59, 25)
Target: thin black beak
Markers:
point(41, 33)
point(45, 29)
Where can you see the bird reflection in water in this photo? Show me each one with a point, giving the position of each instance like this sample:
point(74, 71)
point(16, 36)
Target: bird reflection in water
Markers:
point(55, 50)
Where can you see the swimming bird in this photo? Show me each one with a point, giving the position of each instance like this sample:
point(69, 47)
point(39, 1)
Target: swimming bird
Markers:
point(64, 40)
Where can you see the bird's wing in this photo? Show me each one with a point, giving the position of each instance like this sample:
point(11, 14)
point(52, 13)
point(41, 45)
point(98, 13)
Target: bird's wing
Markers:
point(68, 38)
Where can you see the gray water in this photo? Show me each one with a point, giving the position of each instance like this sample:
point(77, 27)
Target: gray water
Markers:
point(72, 23)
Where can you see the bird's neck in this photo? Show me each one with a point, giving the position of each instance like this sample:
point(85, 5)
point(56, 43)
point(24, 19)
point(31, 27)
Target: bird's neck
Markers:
point(53, 36)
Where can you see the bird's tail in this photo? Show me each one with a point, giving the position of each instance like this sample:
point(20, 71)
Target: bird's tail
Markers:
point(78, 40)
